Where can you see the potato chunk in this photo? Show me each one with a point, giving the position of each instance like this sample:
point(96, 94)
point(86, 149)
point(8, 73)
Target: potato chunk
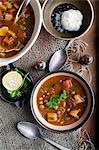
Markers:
point(8, 5)
point(11, 33)
point(8, 17)
point(3, 30)
point(52, 117)
point(1, 49)
point(74, 113)
point(3, 7)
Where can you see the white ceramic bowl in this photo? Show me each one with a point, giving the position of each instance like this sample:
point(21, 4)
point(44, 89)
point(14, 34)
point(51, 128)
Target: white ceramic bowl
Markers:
point(37, 27)
point(36, 113)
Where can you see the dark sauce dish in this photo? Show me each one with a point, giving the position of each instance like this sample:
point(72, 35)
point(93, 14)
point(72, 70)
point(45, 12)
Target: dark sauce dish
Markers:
point(52, 8)
point(17, 101)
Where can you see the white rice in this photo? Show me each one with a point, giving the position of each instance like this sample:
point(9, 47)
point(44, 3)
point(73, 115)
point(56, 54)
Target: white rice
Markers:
point(71, 20)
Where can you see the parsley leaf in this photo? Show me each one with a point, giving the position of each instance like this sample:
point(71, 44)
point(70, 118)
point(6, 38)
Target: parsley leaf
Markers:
point(55, 100)
point(63, 95)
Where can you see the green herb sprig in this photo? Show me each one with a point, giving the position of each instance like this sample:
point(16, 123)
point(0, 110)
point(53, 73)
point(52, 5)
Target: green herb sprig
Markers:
point(55, 100)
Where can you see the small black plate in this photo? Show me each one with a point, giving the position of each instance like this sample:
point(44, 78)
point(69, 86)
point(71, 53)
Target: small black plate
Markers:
point(20, 101)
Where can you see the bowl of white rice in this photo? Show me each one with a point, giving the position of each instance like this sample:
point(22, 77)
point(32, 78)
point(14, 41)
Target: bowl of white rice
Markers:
point(67, 19)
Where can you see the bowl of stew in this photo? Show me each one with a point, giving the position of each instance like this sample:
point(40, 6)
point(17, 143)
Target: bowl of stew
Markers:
point(62, 101)
point(17, 38)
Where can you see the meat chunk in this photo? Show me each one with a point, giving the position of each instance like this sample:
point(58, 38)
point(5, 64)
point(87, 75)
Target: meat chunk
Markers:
point(78, 99)
point(52, 117)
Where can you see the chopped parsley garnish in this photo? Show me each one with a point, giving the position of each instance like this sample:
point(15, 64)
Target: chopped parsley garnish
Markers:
point(55, 100)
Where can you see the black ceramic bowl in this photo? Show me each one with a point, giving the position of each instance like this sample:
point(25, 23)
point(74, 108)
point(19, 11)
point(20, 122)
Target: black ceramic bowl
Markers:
point(19, 102)
point(73, 126)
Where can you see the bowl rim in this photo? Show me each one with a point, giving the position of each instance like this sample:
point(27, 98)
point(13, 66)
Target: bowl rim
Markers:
point(6, 61)
point(86, 31)
point(89, 113)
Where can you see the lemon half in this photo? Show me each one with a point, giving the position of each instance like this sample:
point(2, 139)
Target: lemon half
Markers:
point(12, 81)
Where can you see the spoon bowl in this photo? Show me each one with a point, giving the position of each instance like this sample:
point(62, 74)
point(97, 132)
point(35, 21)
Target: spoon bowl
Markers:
point(33, 131)
point(59, 58)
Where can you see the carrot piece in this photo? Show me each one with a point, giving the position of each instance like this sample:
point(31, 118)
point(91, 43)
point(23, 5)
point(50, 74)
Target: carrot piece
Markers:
point(0, 13)
point(8, 41)
point(66, 84)
point(11, 11)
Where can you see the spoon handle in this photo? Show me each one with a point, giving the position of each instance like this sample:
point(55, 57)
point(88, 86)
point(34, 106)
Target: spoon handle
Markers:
point(68, 44)
point(54, 143)
point(21, 9)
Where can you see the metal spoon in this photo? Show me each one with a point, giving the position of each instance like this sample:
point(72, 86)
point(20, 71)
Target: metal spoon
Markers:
point(31, 131)
point(59, 58)
point(21, 9)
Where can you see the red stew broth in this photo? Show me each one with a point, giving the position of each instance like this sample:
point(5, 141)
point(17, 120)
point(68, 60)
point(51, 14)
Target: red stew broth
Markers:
point(23, 29)
point(54, 85)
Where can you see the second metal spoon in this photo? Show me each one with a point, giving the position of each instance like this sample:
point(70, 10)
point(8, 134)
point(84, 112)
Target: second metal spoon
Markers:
point(59, 58)
point(31, 131)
